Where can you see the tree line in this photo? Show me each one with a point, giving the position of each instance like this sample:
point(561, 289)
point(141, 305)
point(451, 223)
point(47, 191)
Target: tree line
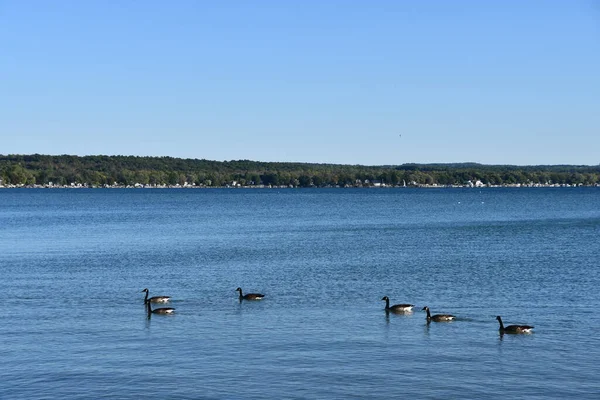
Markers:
point(103, 170)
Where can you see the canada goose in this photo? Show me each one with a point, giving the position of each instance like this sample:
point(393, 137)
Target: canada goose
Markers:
point(249, 296)
point(156, 299)
point(438, 317)
point(162, 310)
point(514, 328)
point(397, 308)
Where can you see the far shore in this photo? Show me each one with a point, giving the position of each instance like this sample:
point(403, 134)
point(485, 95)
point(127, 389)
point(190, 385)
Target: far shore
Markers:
point(381, 186)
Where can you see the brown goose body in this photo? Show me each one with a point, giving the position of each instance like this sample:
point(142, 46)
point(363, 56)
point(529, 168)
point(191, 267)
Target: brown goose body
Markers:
point(162, 310)
point(249, 296)
point(397, 308)
point(438, 317)
point(513, 328)
point(155, 299)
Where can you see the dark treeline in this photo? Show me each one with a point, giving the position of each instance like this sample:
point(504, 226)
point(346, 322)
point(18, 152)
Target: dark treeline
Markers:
point(129, 170)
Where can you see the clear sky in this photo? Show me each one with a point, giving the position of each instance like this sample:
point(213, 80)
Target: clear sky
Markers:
point(350, 82)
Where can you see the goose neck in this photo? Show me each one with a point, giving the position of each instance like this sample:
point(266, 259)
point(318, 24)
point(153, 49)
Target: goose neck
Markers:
point(501, 323)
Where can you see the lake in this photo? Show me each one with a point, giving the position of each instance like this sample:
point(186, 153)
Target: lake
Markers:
point(74, 262)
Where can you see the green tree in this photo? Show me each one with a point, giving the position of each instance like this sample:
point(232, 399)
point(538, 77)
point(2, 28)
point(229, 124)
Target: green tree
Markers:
point(172, 178)
point(317, 180)
point(142, 177)
point(270, 179)
point(17, 175)
point(304, 180)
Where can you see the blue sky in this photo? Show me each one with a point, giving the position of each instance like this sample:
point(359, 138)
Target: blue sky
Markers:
point(350, 82)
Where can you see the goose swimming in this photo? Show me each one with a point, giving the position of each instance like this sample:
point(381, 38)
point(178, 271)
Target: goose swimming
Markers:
point(250, 296)
point(397, 308)
point(513, 328)
point(438, 317)
point(156, 299)
point(162, 310)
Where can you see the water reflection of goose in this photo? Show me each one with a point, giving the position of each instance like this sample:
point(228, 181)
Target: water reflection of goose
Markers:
point(513, 328)
point(438, 317)
point(397, 308)
point(249, 296)
point(155, 299)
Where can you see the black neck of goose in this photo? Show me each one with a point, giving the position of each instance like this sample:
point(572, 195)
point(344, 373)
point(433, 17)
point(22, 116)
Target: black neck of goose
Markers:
point(146, 298)
point(241, 295)
point(387, 304)
point(501, 324)
point(428, 314)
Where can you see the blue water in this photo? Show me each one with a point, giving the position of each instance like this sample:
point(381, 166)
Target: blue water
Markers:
point(73, 264)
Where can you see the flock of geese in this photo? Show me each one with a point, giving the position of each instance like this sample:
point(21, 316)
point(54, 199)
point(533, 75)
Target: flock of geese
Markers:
point(407, 308)
point(171, 310)
point(396, 308)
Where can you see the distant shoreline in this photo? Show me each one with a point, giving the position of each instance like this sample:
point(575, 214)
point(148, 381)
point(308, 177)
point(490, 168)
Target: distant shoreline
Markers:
point(180, 187)
point(41, 171)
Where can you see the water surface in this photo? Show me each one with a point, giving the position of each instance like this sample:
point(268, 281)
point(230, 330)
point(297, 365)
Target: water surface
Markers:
point(74, 263)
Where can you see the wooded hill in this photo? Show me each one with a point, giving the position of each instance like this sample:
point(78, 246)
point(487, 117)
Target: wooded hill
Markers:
point(101, 170)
